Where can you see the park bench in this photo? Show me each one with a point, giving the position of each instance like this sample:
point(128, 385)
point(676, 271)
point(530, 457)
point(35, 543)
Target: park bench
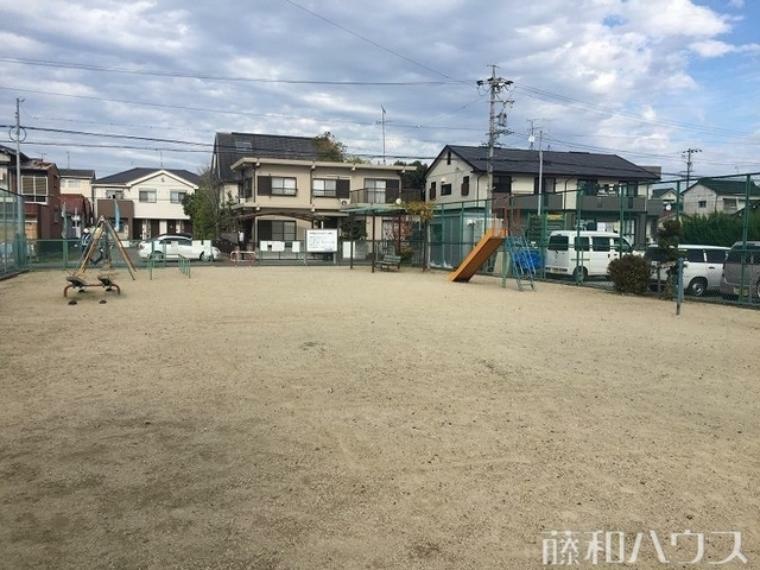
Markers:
point(390, 261)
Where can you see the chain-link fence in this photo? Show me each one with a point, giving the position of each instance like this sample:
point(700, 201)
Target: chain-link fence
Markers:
point(575, 232)
point(13, 245)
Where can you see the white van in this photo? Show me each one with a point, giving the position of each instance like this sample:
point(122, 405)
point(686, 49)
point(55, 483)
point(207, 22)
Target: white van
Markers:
point(702, 267)
point(595, 250)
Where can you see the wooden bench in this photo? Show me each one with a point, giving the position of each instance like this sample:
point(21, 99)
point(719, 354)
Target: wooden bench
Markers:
point(391, 261)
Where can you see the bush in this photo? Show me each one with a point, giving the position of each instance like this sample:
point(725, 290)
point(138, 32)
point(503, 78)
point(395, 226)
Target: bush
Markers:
point(630, 274)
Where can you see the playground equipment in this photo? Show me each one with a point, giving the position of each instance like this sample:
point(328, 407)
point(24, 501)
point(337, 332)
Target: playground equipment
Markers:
point(99, 244)
point(487, 246)
point(522, 259)
point(524, 262)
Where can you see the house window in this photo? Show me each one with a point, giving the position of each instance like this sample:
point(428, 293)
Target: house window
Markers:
point(502, 184)
point(324, 188)
point(283, 186)
point(466, 186)
point(177, 196)
point(448, 161)
point(550, 185)
point(114, 194)
point(588, 186)
point(247, 188)
point(148, 196)
point(629, 188)
point(375, 190)
point(432, 190)
point(729, 204)
point(277, 230)
point(702, 204)
point(445, 189)
point(35, 188)
point(72, 183)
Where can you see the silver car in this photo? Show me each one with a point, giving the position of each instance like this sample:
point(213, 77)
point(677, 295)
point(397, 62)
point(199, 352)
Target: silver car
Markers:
point(731, 282)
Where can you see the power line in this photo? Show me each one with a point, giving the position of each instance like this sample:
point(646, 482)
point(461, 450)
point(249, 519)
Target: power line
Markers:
point(228, 112)
point(203, 77)
point(373, 42)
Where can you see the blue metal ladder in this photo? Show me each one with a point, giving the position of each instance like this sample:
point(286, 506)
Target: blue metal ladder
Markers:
point(522, 262)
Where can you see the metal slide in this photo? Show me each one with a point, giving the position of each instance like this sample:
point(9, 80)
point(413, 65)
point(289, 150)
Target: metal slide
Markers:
point(485, 248)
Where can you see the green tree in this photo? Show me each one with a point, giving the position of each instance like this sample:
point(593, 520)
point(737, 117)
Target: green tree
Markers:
point(209, 211)
point(414, 177)
point(720, 229)
point(329, 148)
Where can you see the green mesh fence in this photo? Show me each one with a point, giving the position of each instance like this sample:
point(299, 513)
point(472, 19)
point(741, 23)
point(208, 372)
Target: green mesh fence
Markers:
point(13, 245)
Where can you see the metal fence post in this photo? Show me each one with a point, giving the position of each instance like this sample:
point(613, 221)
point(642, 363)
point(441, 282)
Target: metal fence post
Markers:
point(578, 256)
point(679, 297)
point(745, 235)
point(622, 219)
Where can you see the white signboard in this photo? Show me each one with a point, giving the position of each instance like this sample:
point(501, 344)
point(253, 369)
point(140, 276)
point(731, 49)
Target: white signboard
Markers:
point(322, 241)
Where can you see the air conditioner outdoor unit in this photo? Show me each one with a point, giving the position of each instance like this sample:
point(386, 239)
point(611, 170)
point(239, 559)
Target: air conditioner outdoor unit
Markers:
point(344, 202)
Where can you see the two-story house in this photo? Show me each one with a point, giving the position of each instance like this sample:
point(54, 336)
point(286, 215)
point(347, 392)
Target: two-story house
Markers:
point(41, 190)
point(458, 177)
point(711, 195)
point(283, 187)
point(78, 199)
point(149, 200)
point(281, 198)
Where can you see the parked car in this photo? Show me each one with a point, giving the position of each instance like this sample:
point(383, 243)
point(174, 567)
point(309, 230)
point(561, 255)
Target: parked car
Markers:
point(593, 249)
point(702, 267)
point(731, 283)
point(175, 245)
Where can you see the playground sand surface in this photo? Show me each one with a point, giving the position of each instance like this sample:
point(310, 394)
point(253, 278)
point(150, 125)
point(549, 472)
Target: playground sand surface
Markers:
point(327, 418)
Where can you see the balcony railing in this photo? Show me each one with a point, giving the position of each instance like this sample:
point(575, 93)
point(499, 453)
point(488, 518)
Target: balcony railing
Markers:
point(386, 196)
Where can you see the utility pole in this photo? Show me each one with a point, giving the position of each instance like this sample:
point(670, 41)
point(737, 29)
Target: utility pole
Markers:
point(382, 123)
point(68, 159)
point(497, 122)
point(19, 199)
point(532, 136)
point(689, 163)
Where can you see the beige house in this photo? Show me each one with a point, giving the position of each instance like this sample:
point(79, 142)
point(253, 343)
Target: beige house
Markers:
point(76, 181)
point(711, 195)
point(154, 197)
point(458, 178)
point(278, 199)
point(281, 186)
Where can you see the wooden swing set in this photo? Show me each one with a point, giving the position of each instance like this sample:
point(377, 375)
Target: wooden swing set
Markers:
point(100, 242)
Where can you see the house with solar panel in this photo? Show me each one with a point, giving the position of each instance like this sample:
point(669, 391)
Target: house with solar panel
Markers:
point(282, 186)
point(457, 184)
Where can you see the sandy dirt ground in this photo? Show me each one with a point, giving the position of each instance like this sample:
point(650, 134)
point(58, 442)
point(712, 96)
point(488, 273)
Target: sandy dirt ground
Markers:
point(327, 418)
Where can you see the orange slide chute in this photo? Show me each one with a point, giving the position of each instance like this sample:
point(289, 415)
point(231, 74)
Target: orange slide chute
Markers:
point(487, 245)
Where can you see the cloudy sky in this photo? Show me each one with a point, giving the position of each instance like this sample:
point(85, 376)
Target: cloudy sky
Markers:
point(642, 78)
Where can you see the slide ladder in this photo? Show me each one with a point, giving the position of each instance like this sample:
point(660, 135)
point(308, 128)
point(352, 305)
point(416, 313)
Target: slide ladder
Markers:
point(522, 260)
point(485, 248)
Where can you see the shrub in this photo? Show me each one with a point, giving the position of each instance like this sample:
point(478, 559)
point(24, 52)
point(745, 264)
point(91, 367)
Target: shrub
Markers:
point(630, 274)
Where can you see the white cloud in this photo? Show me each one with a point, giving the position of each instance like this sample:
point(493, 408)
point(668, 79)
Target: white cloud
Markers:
point(717, 48)
point(139, 26)
point(16, 44)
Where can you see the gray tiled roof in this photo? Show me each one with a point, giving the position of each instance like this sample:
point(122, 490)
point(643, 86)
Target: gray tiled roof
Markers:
point(76, 173)
point(660, 192)
point(231, 147)
point(132, 174)
point(728, 187)
point(556, 163)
